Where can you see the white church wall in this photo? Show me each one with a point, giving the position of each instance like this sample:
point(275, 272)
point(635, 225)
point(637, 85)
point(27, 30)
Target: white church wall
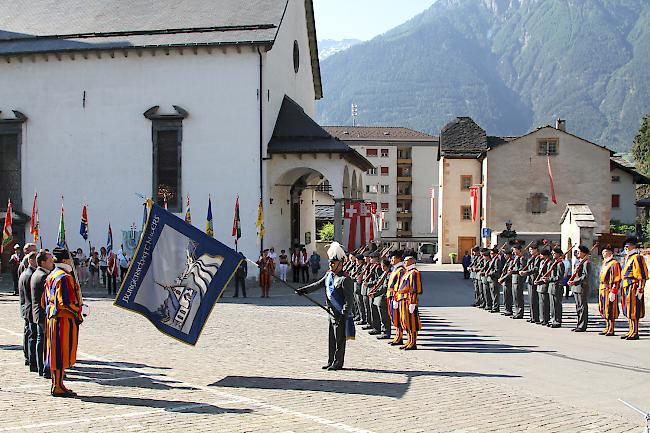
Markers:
point(102, 154)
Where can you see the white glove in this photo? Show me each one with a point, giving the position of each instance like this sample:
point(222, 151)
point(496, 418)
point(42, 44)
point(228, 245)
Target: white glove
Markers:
point(639, 295)
point(570, 292)
point(411, 308)
point(395, 305)
point(612, 297)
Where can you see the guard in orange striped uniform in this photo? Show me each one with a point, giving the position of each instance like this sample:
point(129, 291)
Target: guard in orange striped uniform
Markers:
point(267, 270)
point(63, 312)
point(410, 289)
point(635, 274)
point(610, 281)
point(392, 296)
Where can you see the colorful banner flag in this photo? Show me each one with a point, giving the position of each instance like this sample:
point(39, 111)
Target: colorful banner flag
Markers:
point(351, 234)
point(550, 176)
point(474, 192)
point(188, 216)
point(178, 274)
point(83, 228)
point(34, 226)
point(130, 240)
point(7, 231)
point(109, 240)
point(209, 228)
point(260, 221)
point(60, 239)
point(236, 223)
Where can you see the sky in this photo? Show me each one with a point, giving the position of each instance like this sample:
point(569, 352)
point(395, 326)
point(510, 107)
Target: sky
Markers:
point(363, 19)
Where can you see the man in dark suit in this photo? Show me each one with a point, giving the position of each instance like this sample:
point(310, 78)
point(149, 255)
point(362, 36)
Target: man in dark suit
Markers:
point(45, 264)
point(340, 299)
point(240, 277)
point(25, 292)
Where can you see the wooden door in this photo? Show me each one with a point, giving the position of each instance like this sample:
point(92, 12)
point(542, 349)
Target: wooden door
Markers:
point(465, 243)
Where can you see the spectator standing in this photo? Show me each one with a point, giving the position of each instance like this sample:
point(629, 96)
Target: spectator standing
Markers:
point(304, 265)
point(45, 264)
point(467, 261)
point(284, 265)
point(314, 263)
point(295, 264)
point(29, 330)
point(93, 267)
point(240, 277)
point(14, 262)
point(111, 273)
point(123, 263)
point(103, 265)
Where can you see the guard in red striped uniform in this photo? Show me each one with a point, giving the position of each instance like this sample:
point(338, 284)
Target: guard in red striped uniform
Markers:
point(392, 296)
point(635, 274)
point(63, 312)
point(610, 281)
point(410, 289)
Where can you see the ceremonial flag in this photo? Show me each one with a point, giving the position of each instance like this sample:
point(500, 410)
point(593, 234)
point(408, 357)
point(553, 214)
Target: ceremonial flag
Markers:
point(83, 229)
point(60, 239)
point(550, 176)
point(177, 275)
point(7, 231)
point(474, 192)
point(236, 223)
point(34, 224)
point(188, 217)
point(109, 241)
point(351, 235)
point(130, 240)
point(209, 229)
point(260, 221)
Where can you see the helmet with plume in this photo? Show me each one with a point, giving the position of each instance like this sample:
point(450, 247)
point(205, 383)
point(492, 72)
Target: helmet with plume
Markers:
point(335, 251)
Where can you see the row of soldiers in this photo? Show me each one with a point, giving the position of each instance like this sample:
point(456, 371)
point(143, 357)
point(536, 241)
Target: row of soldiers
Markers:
point(542, 272)
point(386, 292)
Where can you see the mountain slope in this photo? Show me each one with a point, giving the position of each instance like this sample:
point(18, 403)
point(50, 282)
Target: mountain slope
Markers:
point(510, 64)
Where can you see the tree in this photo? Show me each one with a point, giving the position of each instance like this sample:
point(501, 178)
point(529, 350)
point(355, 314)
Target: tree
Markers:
point(326, 233)
point(641, 146)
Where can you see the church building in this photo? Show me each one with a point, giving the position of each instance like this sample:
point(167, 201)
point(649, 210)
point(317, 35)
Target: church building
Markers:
point(105, 101)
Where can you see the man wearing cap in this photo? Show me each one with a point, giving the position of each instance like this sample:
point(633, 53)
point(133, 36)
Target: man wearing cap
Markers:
point(45, 264)
point(545, 265)
point(29, 330)
point(380, 302)
point(63, 313)
point(493, 272)
point(339, 290)
point(518, 265)
point(372, 279)
point(556, 287)
point(473, 276)
point(635, 274)
point(392, 299)
point(14, 261)
point(410, 289)
point(505, 279)
point(610, 282)
point(485, 286)
point(580, 282)
point(360, 271)
point(531, 271)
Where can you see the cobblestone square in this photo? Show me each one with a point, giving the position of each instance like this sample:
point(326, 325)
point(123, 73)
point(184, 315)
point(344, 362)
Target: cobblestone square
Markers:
point(257, 368)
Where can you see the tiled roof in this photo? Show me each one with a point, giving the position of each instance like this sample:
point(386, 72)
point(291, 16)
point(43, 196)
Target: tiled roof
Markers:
point(463, 137)
point(384, 133)
point(619, 162)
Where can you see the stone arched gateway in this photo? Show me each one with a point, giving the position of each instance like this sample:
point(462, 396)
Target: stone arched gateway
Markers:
point(307, 168)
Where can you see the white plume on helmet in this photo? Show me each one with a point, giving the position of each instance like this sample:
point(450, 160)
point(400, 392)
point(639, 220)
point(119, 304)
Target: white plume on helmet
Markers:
point(335, 251)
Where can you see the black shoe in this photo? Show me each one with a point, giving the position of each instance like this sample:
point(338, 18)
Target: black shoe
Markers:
point(580, 330)
point(235, 296)
point(26, 362)
point(507, 313)
point(47, 375)
point(334, 367)
point(384, 337)
point(518, 317)
point(33, 369)
point(636, 337)
point(414, 347)
point(542, 323)
point(365, 328)
point(494, 311)
point(374, 332)
point(556, 325)
point(326, 367)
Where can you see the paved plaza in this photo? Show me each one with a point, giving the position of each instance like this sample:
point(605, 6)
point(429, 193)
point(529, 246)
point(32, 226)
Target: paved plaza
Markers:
point(256, 368)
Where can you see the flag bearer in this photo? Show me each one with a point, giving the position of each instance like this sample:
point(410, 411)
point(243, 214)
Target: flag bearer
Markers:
point(267, 270)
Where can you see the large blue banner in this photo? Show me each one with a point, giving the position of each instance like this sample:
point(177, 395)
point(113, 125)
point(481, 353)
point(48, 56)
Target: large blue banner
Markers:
point(177, 275)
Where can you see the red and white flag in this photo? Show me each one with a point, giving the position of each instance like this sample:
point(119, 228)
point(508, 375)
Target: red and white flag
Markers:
point(474, 192)
point(350, 222)
point(550, 176)
point(34, 228)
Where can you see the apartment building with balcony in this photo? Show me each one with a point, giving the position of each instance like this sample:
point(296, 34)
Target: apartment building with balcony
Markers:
point(403, 180)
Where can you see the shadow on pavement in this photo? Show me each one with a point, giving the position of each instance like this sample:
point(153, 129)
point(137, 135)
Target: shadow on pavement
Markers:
point(167, 405)
point(386, 389)
point(410, 373)
point(10, 347)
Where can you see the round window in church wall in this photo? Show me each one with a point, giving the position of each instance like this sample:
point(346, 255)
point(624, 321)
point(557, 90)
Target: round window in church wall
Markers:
point(296, 56)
